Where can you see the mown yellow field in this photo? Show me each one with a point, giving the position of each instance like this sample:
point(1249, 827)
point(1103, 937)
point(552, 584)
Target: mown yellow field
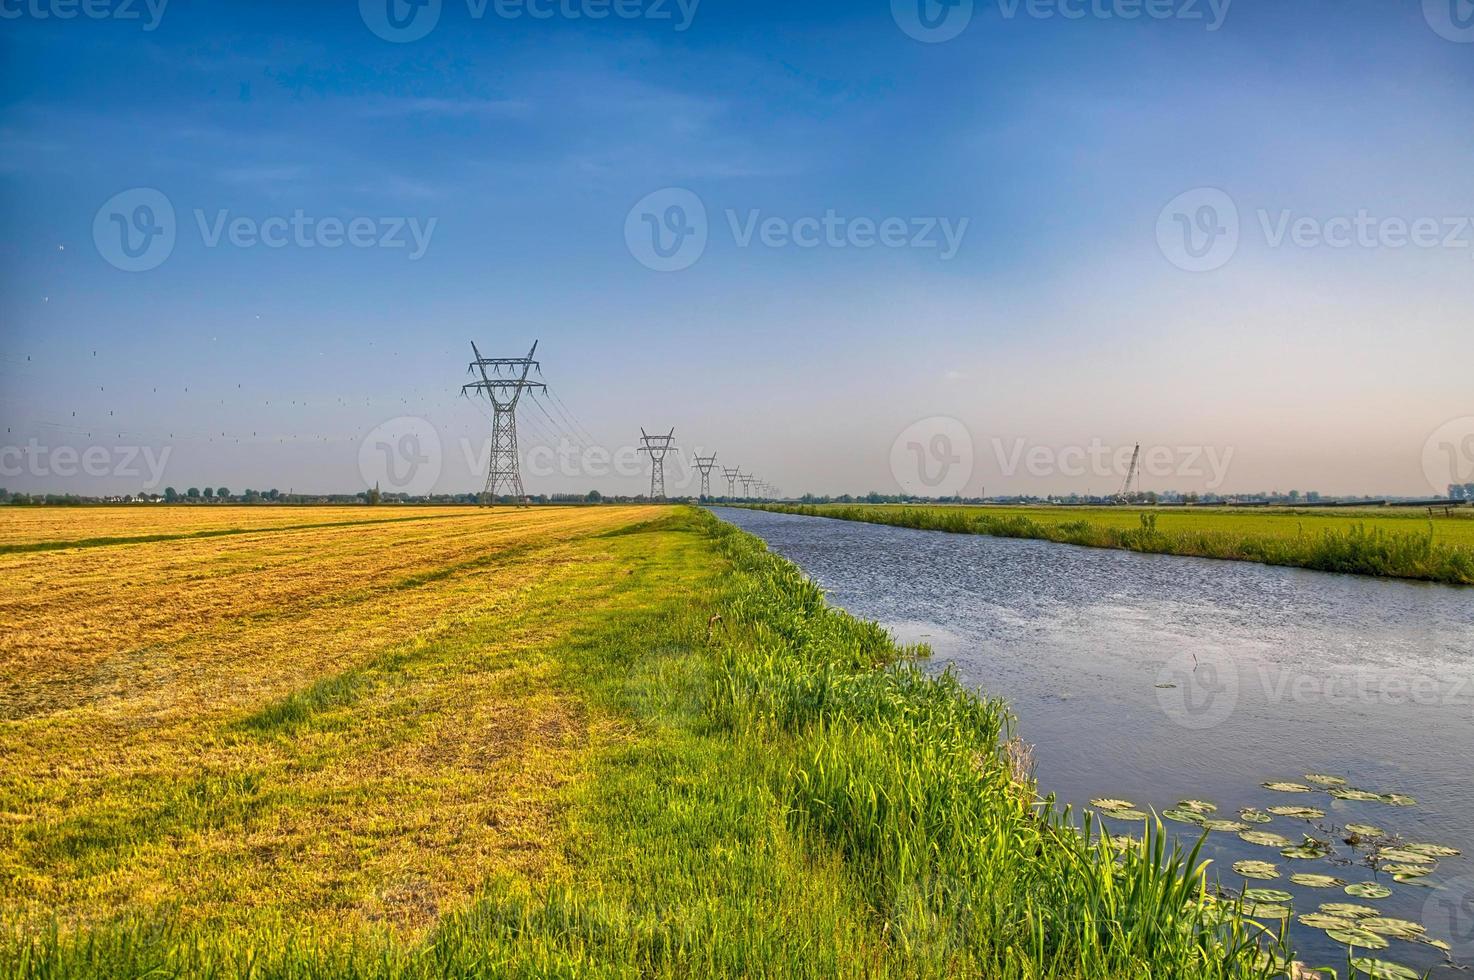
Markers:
point(31, 526)
point(148, 693)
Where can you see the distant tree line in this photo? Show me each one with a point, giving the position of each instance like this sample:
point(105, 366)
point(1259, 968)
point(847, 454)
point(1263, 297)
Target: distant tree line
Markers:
point(197, 496)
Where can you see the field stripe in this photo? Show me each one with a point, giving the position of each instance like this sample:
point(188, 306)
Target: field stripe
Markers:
point(10, 549)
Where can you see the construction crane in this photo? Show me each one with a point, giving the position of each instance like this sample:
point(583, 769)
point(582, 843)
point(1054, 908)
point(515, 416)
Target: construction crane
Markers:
point(1133, 474)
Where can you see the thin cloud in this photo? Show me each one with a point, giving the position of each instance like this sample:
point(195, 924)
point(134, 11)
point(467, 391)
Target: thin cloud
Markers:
point(445, 108)
point(264, 175)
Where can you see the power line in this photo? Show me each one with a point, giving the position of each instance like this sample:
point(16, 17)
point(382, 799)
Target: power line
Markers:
point(576, 421)
point(544, 435)
point(559, 429)
point(574, 424)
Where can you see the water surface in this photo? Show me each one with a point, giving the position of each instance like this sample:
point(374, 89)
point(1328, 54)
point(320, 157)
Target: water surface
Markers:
point(1158, 678)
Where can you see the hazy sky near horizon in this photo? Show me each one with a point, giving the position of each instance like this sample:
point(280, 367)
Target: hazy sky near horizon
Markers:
point(828, 241)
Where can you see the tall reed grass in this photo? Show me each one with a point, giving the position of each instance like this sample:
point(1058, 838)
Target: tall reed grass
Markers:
point(909, 777)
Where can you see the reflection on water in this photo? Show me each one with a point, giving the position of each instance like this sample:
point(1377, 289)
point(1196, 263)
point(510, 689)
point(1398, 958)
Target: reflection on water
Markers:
point(1158, 678)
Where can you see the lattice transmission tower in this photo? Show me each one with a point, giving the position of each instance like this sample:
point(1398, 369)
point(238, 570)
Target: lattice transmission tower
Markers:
point(657, 447)
point(503, 379)
point(705, 465)
point(732, 475)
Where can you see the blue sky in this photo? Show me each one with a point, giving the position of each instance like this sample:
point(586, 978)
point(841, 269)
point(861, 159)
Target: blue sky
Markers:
point(518, 146)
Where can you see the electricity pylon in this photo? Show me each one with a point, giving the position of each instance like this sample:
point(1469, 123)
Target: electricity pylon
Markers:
point(747, 482)
point(732, 475)
point(657, 447)
point(503, 386)
point(705, 464)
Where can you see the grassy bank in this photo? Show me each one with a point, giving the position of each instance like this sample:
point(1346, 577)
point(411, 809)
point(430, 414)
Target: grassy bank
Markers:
point(638, 745)
point(1410, 547)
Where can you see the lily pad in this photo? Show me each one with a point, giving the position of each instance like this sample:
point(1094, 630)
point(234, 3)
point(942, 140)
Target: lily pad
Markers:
point(1251, 815)
point(1290, 788)
point(1368, 889)
point(1365, 796)
point(1110, 804)
point(1403, 855)
point(1321, 779)
point(1317, 881)
point(1386, 926)
point(1301, 812)
point(1264, 838)
point(1225, 826)
point(1349, 910)
point(1397, 799)
point(1183, 816)
point(1268, 910)
point(1199, 806)
point(1436, 944)
point(1308, 851)
point(1262, 870)
point(1366, 830)
point(1124, 815)
point(1433, 850)
point(1267, 895)
point(1358, 937)
point(1383, 970)
point(1407, 872)
point(1320, 920)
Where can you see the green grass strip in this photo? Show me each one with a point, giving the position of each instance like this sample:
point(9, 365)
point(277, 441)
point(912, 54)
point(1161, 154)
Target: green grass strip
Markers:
point(1356, 550)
